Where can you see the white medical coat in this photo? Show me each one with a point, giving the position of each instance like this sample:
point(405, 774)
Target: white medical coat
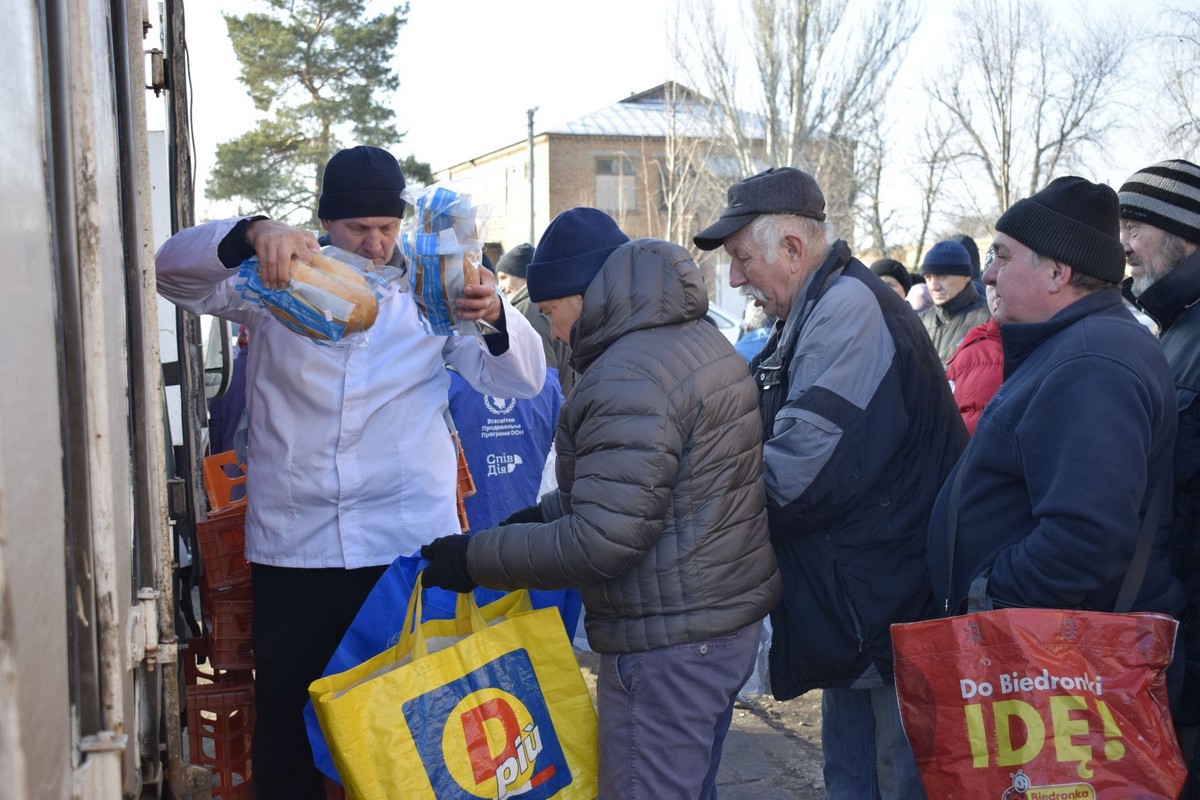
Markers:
point(350, 463)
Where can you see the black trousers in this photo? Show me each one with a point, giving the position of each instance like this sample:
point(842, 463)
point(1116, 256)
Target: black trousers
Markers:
point(300, 616)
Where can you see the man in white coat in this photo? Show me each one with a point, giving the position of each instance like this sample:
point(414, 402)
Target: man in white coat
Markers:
point(350, 460)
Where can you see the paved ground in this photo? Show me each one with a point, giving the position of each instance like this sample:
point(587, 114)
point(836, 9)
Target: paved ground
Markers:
point(773, 751)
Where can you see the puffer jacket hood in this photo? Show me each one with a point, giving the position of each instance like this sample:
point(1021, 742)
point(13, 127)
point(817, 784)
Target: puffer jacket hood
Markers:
point(660, 513)
point(646, 283)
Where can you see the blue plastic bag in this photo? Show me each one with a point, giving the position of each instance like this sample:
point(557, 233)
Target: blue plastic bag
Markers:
point(381, 618)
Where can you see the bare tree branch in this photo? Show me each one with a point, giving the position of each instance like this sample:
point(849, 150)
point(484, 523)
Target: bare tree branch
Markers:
point(819, 73)
point(935, 156)
point(1028, 97)
point(1181, 74)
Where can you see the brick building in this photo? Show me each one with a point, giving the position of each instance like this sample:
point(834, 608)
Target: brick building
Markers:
point(651, 161)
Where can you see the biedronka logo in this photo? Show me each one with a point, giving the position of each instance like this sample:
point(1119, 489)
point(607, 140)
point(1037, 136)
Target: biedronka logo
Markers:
point(489, 734)
point(1023, 789)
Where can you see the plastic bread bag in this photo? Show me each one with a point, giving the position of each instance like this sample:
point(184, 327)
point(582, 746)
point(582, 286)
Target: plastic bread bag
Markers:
point(443, 241)
point(330, 301)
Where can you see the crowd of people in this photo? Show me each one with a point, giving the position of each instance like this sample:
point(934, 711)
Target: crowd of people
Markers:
point(811, 478)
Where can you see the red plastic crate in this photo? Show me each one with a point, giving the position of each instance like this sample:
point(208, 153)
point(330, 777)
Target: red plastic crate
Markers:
point(228, 615)
point(191, 657)
point(222, 542)
point(197, 670)
point(220, 733)
point(466, 484)
point(222, 475)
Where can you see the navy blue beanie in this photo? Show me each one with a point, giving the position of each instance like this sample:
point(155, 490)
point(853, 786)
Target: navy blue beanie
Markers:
point(574, 247)
point(947, 258)
point(972, 250)
point(363, 181)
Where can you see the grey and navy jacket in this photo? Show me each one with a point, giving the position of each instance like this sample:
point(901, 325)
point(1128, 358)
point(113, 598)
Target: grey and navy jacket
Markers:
point(860, 429)
point(659, 516)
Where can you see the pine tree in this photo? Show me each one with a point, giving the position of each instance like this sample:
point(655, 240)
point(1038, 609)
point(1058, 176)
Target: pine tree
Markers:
point(321, 68)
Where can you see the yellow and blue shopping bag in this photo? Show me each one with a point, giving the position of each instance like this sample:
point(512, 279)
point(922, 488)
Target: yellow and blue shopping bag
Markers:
point(489, 704)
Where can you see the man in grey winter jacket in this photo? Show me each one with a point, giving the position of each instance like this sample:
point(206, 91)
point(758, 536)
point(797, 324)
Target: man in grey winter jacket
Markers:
point(659, 514)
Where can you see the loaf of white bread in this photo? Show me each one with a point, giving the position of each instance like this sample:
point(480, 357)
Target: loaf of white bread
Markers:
point(333, 299)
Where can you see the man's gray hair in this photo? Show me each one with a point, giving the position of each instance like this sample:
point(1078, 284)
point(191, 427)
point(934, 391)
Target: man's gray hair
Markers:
point(769, 231)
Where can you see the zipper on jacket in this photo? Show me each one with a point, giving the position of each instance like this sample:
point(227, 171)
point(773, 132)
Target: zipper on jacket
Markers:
point(848, 602)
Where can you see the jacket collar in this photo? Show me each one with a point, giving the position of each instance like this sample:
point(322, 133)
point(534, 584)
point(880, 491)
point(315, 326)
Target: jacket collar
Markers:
point(1170, 295)
point(522, 294)
point(959, 303)
point(1022, 338)
point(769, 366)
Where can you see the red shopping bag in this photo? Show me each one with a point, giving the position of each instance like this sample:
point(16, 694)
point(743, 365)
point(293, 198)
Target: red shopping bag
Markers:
point(1039, 704)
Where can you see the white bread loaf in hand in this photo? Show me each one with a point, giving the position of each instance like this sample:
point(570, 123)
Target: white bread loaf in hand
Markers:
point(335, 290)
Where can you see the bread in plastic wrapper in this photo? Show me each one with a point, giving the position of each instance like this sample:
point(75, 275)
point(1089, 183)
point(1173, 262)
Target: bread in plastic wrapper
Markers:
point(335, 296)
point(443, 242)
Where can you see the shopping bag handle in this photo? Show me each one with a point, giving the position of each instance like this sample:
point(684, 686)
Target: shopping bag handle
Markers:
point(412, 619)
point(412, 635)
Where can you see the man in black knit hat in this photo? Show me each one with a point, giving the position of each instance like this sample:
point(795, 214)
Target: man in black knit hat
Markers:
point(1160, 228)
point(1073, 451)
point(350, 459)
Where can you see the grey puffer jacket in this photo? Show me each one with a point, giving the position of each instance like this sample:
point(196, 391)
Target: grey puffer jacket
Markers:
point(660, 515)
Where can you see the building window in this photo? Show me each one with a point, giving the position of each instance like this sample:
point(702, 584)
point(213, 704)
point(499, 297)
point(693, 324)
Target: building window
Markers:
point(616, 185)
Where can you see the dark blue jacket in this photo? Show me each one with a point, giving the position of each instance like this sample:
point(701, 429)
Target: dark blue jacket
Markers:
point(861, 428)
point(1063, 467)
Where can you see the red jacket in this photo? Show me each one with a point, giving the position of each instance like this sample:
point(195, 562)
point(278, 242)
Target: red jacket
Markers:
point(976, 370)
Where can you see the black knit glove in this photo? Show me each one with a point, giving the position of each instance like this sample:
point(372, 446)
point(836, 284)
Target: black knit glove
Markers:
point(447, 568)
point(531, 513)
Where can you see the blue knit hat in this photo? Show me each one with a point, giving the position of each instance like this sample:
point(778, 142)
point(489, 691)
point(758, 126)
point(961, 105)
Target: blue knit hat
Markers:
point(362, 181)
point(574, 247)
point(947, 258)
point(972, 250)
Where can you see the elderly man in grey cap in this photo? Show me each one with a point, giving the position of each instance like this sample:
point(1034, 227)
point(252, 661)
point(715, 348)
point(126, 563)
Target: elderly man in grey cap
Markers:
point(859, 428)
point(1160, 230)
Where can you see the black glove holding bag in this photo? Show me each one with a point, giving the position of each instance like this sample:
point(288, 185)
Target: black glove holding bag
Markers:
point(447, 568)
